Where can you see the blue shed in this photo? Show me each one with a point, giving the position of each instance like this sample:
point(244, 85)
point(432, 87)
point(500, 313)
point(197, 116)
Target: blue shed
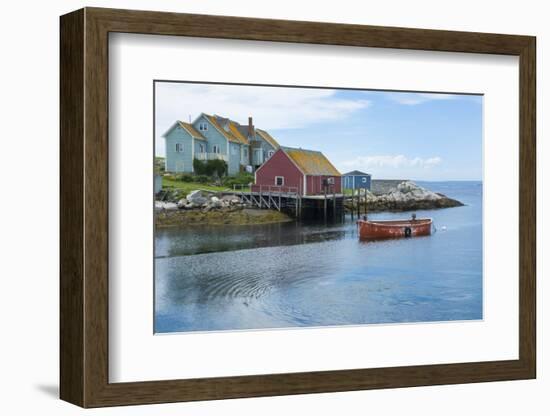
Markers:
point(357, 180)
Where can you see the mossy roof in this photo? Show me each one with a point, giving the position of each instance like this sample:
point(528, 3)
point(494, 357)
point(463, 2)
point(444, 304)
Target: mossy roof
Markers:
point(268, 138)
point(311, 162)
point(232, 133)
point(191, 130)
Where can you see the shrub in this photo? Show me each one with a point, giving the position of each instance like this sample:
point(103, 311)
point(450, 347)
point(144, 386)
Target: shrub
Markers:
point(199, 167)
point(185, 177)
point(202, 179)
point(171, 177)
point(215, 167)
point(241, 179)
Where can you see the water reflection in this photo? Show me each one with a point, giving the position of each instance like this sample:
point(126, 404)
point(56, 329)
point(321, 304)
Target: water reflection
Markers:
point(288, 275)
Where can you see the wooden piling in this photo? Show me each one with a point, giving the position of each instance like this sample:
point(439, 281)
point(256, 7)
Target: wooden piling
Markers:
point(366, 208)
point(352, 204)
point(334, 203)
point(359, 203)
point(325, 203)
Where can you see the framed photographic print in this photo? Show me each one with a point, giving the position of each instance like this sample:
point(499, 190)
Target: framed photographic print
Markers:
point(255, 207)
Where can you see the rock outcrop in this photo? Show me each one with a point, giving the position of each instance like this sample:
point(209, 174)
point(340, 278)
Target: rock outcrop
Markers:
point(165, 206)
point(407, 196)
point(196, 198)
point(199, 200)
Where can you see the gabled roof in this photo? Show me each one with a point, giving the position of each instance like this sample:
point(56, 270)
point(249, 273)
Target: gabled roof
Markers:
point(191, 130)
point(232, 133)
point(187, 127)
point(236, 132)
point(267, 137)
point(356, 173)
point(311, 162)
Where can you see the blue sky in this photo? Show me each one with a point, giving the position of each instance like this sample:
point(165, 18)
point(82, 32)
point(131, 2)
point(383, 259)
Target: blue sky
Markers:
point(392, 135)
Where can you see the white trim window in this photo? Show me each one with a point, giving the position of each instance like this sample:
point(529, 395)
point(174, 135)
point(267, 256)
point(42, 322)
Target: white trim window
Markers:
point(330, 181)
point(179, 147)
point(279, 180)
point(201, 148)
point(203, 126)
point(215, 149)
point(270, 153)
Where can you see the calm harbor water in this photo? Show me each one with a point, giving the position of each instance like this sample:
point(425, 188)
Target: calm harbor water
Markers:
point(299, 275)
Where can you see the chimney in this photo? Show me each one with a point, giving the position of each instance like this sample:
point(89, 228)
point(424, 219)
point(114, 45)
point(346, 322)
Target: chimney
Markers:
point(250, 128)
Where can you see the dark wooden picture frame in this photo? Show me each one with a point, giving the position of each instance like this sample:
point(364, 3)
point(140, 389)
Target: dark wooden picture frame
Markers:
point(84, 207)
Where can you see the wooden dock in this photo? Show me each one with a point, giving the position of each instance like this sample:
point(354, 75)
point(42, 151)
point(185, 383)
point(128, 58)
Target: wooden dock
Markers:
point(290, 200)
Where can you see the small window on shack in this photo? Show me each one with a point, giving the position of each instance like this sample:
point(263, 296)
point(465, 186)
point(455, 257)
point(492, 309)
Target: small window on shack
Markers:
point(179, 147)
point(330, 181)
point(279, 180)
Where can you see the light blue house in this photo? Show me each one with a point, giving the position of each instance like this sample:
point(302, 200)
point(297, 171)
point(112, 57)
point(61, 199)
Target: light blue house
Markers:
point(242, 147)
point(357, 180)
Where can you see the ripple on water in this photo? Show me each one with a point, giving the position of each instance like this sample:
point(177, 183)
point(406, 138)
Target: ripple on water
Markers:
point(290, 275)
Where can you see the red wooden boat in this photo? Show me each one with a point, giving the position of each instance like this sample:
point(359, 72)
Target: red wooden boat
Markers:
point(394, 228)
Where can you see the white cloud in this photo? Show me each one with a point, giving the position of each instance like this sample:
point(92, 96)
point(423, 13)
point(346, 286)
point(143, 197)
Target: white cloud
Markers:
point(391, 161)
point(270, 107)
point(414, 98)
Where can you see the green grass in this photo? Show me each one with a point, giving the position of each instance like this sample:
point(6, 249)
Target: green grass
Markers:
point(242, 189)
point(190, 186)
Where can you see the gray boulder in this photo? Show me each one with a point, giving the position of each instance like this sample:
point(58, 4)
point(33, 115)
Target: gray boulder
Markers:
point(196, 197)
point(215, 202)
point(411, 191)
point(160, 206)
point(182, 203)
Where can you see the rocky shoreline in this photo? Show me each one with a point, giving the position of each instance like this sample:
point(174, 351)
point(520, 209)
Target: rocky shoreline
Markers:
point(407, 196)
point(206, 208)
point(211, 208)
point(234, 216)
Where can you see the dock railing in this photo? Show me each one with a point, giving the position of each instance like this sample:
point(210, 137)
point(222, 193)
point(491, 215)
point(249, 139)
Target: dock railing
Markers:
point(269, 196)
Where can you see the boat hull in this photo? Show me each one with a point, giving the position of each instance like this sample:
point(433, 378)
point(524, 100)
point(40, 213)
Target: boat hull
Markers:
point(394, 229)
